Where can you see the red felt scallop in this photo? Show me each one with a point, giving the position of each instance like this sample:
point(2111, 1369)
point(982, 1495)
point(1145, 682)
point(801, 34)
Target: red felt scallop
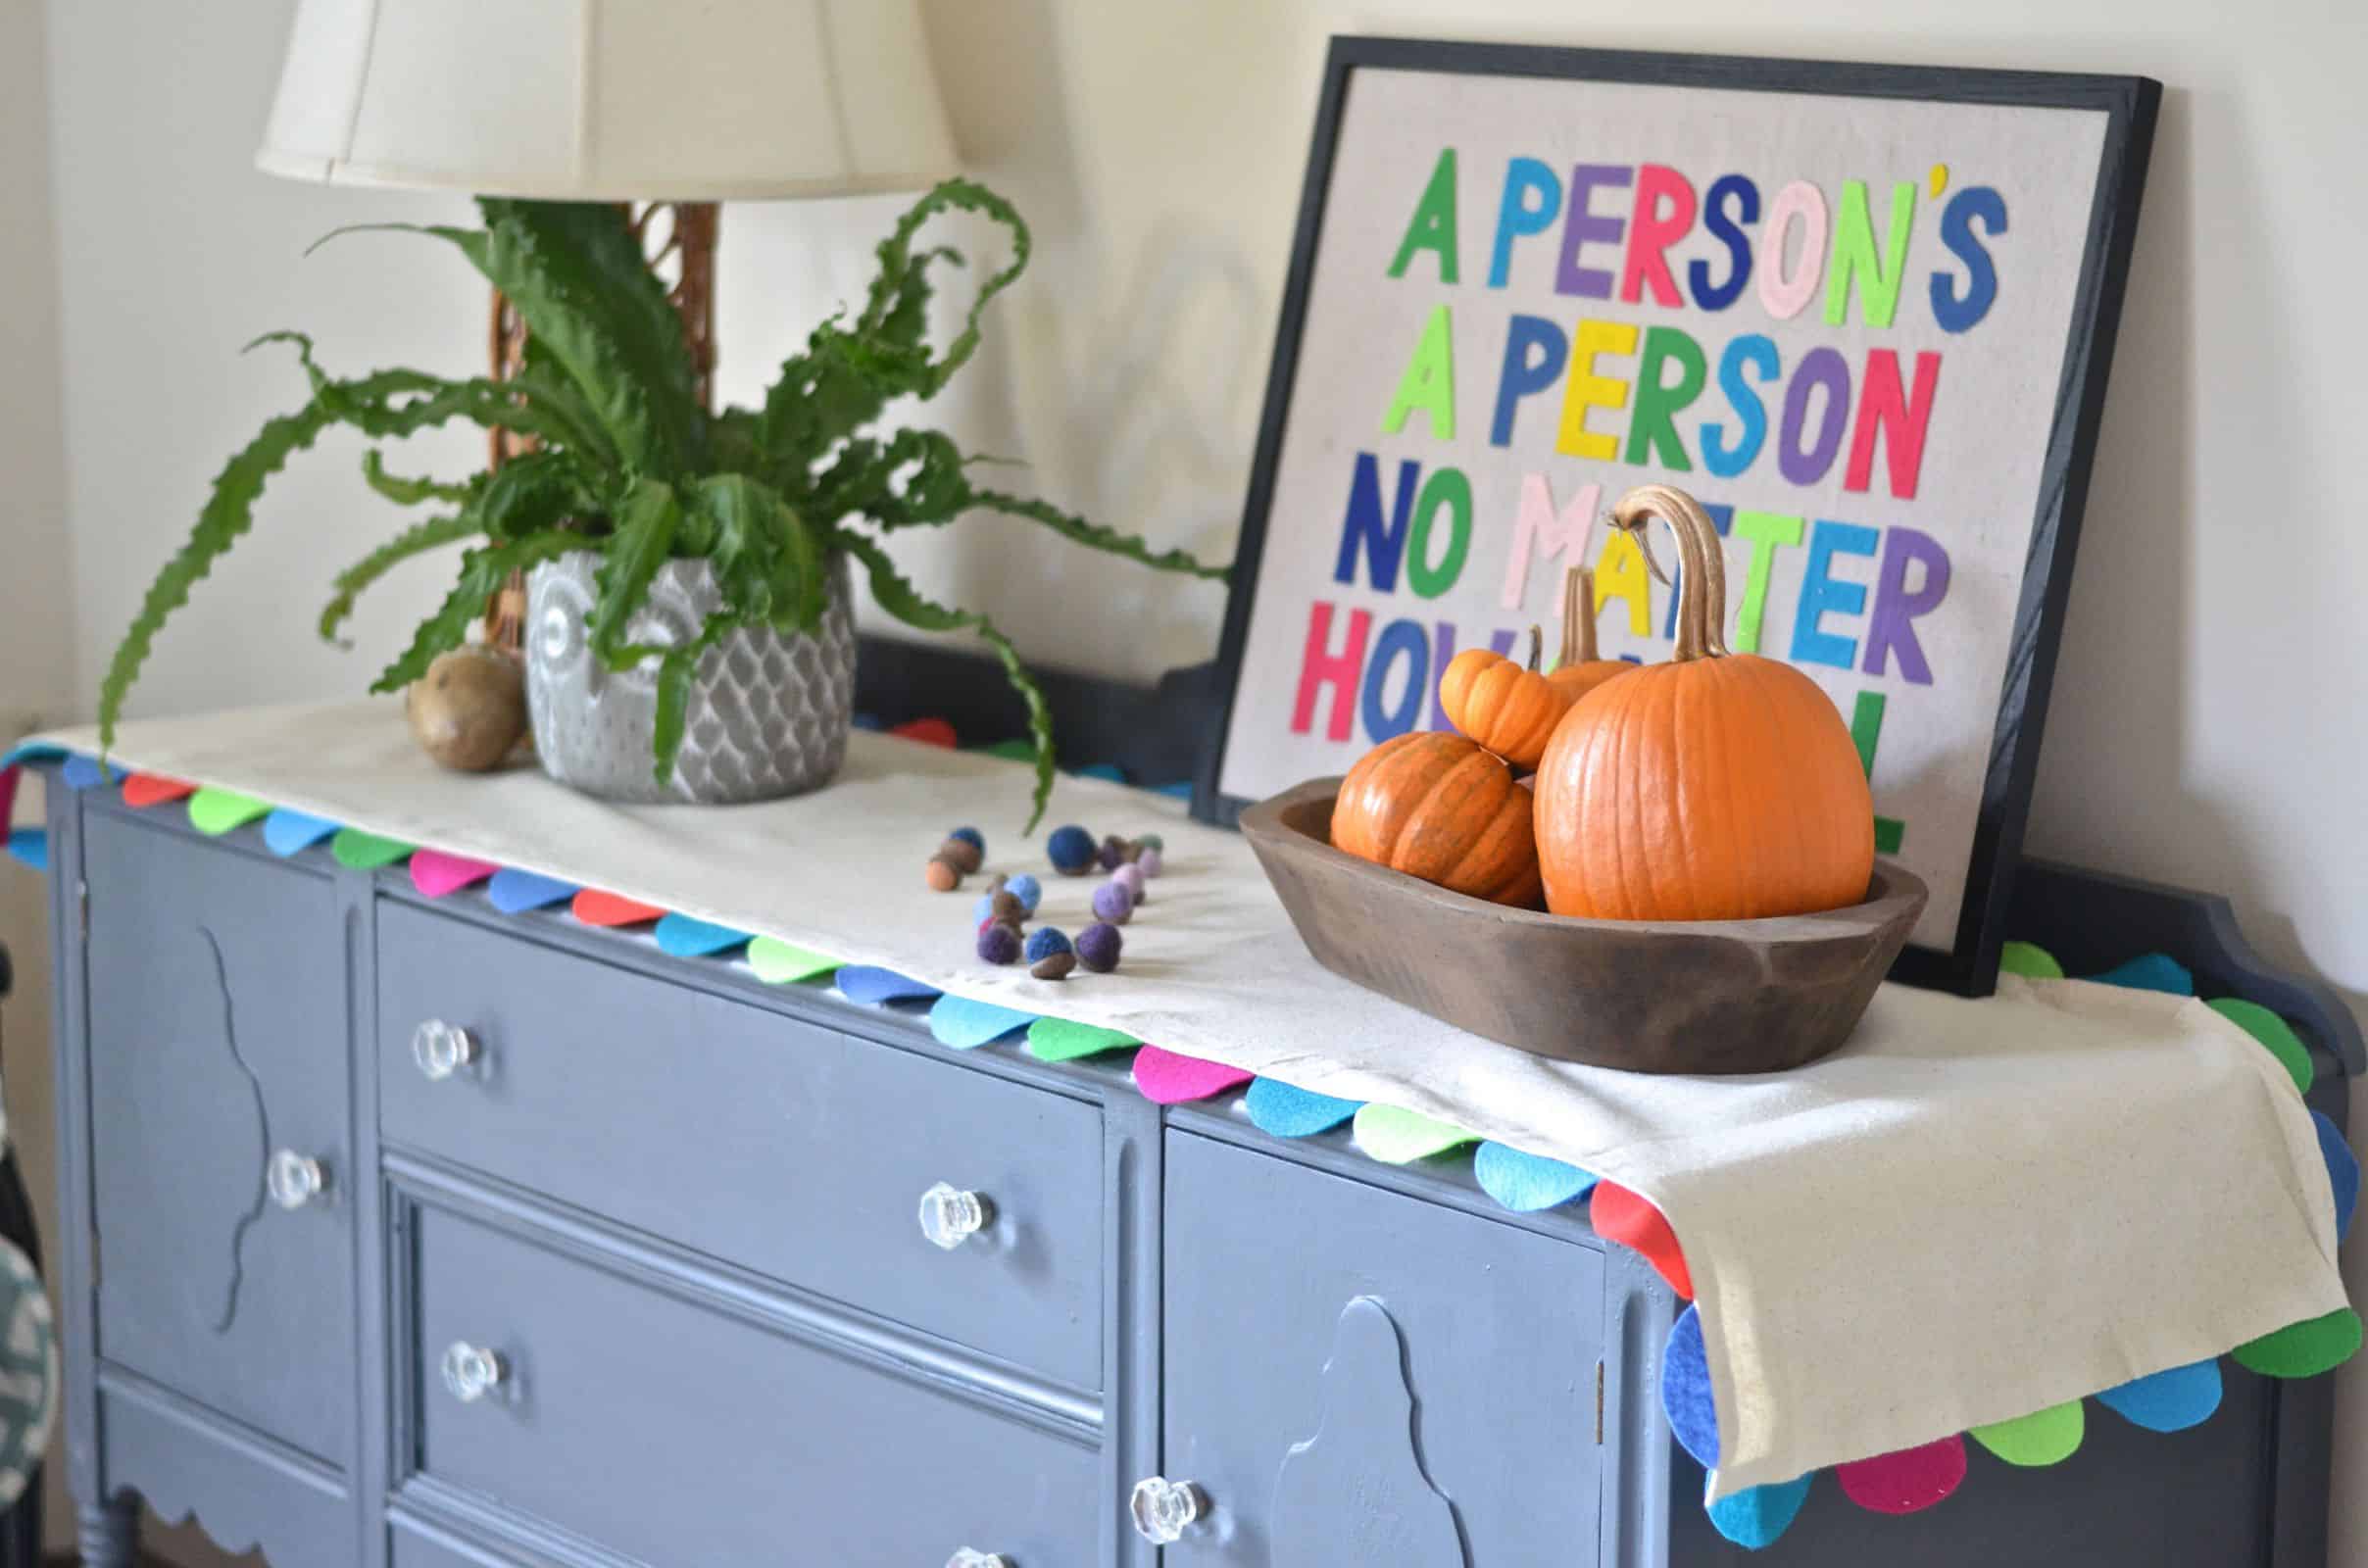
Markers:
point(927, 731)
point(1908, 1481)
point(154, 789)
point(595, 907)
point(1621, 1217)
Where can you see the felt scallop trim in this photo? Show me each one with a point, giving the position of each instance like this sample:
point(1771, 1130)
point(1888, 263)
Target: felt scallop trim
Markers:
point(79, 772)
point(29, 846)
point(439, 875)
point(1897, 1482)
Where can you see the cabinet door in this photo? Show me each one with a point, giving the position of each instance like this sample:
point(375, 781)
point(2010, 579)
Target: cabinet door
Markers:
point(217, 1040)
point(1353, 1376)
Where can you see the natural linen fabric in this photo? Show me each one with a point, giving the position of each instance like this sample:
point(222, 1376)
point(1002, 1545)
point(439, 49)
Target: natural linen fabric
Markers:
point(1974, 1211)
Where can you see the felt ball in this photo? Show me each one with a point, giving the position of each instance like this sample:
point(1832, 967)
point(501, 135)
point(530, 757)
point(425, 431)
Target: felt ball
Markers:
point(1053, 965)
point(1151, 841)
point(1134, 850)
point(970, 836)
point(1098, 948)
point(1071, 849)
point(1047, 941)
point(984, 910)
point(1113, 854)
point(961, 853)
point(943, 876)
point(1027, 890)
point(1112, 902)
point(1132, 878)
point(1150, 864)
point(1005, 905)
point(998, 943)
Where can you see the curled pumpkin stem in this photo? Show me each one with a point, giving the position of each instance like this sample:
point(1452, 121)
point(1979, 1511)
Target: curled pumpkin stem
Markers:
point(1702, 598)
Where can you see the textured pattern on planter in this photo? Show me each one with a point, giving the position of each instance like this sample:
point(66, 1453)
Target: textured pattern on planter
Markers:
point(768, 714)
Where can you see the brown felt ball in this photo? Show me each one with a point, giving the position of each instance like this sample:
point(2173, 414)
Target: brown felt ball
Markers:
point(943, 874)
point(469, 708)
point(963, 854)
point(1006, 907)
point(1053, 967)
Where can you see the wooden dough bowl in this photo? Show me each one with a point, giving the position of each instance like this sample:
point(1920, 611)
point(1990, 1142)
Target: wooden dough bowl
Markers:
point(1646, 996)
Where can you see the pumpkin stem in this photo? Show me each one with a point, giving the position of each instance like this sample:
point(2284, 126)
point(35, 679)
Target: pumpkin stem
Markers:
point(1578, 618)
point(1701, 596)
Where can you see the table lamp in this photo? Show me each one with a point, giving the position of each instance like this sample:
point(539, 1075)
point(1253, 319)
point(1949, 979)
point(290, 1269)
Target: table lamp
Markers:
point(662, 106)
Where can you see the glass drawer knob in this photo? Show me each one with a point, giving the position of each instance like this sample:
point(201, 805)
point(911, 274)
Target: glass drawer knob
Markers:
point(1164, 1509)
point(471, 1372)
point(951, 1217)
point(969, 1557)
point(294, 1180)
point(442, 1049)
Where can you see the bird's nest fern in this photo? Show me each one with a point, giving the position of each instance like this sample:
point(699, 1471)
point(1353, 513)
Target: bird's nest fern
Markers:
point(628, 462)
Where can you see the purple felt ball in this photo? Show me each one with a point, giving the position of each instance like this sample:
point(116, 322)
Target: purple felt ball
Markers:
point(1071, 849)
point(1098, 948)
point(1132, 876)
point(1027, 890)
point(999, 944)
point(1148, 862)
point(1112, 902)
point(1045, 941)
point(1113, 854)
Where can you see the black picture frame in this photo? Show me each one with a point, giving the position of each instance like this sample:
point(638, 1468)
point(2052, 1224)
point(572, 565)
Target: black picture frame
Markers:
point(2129, 105)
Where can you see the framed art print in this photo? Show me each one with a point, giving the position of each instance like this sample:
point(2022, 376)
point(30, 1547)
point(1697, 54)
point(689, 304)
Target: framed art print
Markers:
point(1864, 312)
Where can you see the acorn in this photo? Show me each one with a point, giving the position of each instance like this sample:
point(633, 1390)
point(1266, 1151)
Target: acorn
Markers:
point(1053, 967)
point(943, 876)
point(963, 854)
point(999, 944)
point(1071, 850)
point(1005, 905)
point(1113, 854)
point(1098, 948)
point(1113, 903)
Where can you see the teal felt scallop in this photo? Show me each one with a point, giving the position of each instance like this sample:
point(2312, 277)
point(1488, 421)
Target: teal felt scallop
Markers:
point(1286, 1111)
point(1756, 1517)
point(964, 1024)
point(2151, 971)
point(1527, 1183)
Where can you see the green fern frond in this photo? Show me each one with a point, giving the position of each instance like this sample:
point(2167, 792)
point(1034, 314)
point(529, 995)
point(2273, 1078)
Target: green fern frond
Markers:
point(420, 537)
point(483, 571)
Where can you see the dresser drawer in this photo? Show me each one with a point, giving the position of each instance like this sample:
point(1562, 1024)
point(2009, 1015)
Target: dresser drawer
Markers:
point(771, 1144)
point(684, 1438)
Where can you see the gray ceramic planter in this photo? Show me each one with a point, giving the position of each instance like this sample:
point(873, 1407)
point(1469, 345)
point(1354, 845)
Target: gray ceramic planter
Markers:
point(769, 714)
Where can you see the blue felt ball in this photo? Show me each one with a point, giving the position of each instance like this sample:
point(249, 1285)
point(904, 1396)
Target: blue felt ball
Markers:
point(1113, 903)
point(1027, 890)
point(984, 908)
point(1044, 942)
point(971, 837)
point(1098, 948)
point(1072, 849)
point(997, 944)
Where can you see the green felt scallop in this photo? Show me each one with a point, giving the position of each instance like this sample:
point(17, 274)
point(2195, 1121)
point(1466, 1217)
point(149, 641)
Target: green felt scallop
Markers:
point(367, 852)
point(1011, 751)
point(1400, 1137)
point(1061, 1040)
point(777, 963)
point(2030, 960)
point(2042, 1438)
point(2303, 1350)
point(2273, 1032)
point(215, 811)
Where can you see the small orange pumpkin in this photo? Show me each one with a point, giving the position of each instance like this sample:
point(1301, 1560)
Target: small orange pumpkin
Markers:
point(1719, 786)
point(1438, 807)
point(1509, 708)
point(1581, 670)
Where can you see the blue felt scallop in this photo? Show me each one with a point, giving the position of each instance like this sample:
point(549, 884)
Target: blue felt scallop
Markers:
point(963, 1024)
point(34, 752)
point(681, 936)
point(80, 772)
point(1101, 770)
point(2342, 1171)
point(1686, 1390)
point(284, 832)
point(861, 982)
point(1288, 1111)
point(868, 722)
point(1756, 1517)
point(30, 845)
point(1527, 1183)
point(1182, 791)
point(2151, 971)
point(515, 892)
point(2167, 1402)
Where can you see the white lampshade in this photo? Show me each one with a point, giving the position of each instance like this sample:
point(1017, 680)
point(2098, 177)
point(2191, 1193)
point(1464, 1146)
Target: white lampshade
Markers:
point(611, 100)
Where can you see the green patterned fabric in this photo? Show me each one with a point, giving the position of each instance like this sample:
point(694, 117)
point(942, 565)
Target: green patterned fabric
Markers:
point(28, 1371)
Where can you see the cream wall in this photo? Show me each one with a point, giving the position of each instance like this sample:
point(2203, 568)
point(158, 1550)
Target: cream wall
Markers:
point(2207, 724)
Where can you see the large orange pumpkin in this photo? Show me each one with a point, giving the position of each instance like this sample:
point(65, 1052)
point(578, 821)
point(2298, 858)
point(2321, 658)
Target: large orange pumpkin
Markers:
point(1438, 807)
point(1719, 786)
point(1581, 670)
point(1509, 710)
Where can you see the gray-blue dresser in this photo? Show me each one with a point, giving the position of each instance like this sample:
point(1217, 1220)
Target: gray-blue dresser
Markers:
point(405, 1232)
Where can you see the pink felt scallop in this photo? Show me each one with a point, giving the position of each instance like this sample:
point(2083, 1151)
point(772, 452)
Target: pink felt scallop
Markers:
point(154, 789)
point(1908, 1481)
point(927, 731)
point(435, 874)
point(8, 795)
point(1168, 1079)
